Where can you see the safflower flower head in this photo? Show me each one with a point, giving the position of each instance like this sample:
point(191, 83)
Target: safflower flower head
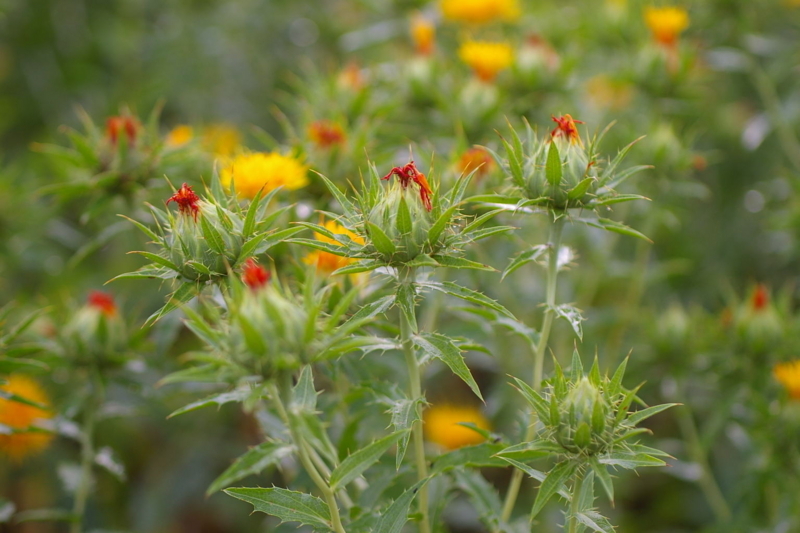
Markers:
point(326, 262)
point(788, 375)
point(180, 135)
point(443, 425)
point(409, 173)
point(486, 59)
point(477, 159)
point(423, 34)
point(566, 129)
point(103, 302)
point(254, 275)
point(760, 298)
point(252, 172)
point(480, 11)
point(221, 139)
point(20, 417)
point(326, 133)
point(666, 24)
point(187, 201)
point(122, 125)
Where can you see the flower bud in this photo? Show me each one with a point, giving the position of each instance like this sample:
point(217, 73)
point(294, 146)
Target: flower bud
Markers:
point(758, 322)
point(96, 332)
point(582, 421)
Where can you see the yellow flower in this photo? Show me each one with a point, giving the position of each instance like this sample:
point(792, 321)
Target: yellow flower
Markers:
point(666, 23)
point(20, 417)
point(327, 262)
point(442, 425)
point(179, 135)
point(605, 93)
point(423, 33)
point(789, 376)
point(250, 172)
point(480, 11)
point(221, 139)
point(486, 58)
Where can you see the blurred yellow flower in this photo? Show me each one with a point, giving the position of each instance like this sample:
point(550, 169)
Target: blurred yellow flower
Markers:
point(326, 133)
point(666, 23)
point(442, 425)
point(253, 171)
point(20, 417)
point(476, 158)
point(486, 59)
point(179, 135)
point(327, 262)
point(480, 11)
point(788, 374)
point(221, 139)
point(423, 34)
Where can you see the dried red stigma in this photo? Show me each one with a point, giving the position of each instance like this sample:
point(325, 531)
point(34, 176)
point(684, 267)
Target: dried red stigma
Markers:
point(409, 173)
point(760, 297)
point(103, 302)
point(187, 201)
point(119, 123)
point(326, 133)
point(566, 128)
point(254, 275)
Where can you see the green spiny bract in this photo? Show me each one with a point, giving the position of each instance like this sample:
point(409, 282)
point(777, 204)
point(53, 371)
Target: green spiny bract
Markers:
point(409, 223)
point(207, 238)
point(558, 172)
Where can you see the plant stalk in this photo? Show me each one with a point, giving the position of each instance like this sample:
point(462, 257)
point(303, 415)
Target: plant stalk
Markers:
point(574, 507)
point(554, 243)
point(87, 450)
point(408, 276)
point(305, 459)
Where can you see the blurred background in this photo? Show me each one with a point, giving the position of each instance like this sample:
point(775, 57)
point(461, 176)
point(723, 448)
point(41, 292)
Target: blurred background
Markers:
point(708, 309)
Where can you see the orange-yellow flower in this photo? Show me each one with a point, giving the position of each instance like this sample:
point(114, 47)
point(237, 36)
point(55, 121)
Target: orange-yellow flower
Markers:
point(179, 135)
point(476, 158)
point(221, 139)
point(326, 133)
point(566, 128)
point(326, 262)
point(788, 374)
point(423, 34)
point(254, 171)
point(666, 23)
point(19, 416)
point(122, 123)
point(486, 59)
point(480, 11)
point(442, 425)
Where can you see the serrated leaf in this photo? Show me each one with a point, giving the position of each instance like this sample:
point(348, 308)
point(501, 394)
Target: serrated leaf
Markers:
point(250, 218)
point(514, 164)
point(358, 267)
point(254, 461)
point(441, 223)
point(444, 349)
point(630, 461)
point(643, 414)
point(614, 226)
point(219, 400)
point(483, 496)
point(9, 365)
point(395, 516)
point(477, 456)
point(304, 396)
point(404, 414)
point(155, 258)
point(287, 505)
point(572, 315)
point(405, 300)
point(595, 521)
point(453, 289)
point(355, 464)
point(535, 400)
point(184, 294)
point(530, 451)
point(403, 222)
point(212, 236)
point(601, 473)
point(460, 262)
point(147, 231)
point(553, 170)
point(552, 484)
point(580, 189)
point(523, 258)
point(382, 243)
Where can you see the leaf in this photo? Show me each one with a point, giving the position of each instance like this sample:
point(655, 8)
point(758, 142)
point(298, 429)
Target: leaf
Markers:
point(403, 221)
point(155, 258)
point(360, 266)
point(212, 236)
point(535, 399)
point(287, 505)
point(250, 218)
point(580, 189)
point(443, 348)
point(45, 515)
point(185, 293)
point(404, 414)
point(254, 461)
point(612, 225)
point(147, 231)
point(572, 315)
point(477, 456)
point(304, 396)
point(460, 262)
point(630, 461)
point(453, 289)
point(9, 365)
point(396, 515)
point(11, 397)
point(553, 483)
point(643, 414)
point(441, 223)
point(601, 473)
point(405, 300)
point(553, 170)
point(483, 496)
point(356, 463)
point(595, 521)
point(523, 258)
point(219, 400)
point(382, 243)
point(537, 475)
point(530, 451)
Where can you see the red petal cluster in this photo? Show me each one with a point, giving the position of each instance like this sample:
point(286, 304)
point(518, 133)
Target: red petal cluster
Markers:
point(187, 201)
point(126, 123)
point(103, 302)
point(326, 133)
point(760, 297)
point(566, 128)
point(254, 275)
point(408, 173)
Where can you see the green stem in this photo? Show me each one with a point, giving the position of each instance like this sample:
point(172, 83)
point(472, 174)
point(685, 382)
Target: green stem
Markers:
point(574, 507)
point(94, 401)
point(305, 458)
point(554, 243)
point(707, 482)
point(407, 328)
